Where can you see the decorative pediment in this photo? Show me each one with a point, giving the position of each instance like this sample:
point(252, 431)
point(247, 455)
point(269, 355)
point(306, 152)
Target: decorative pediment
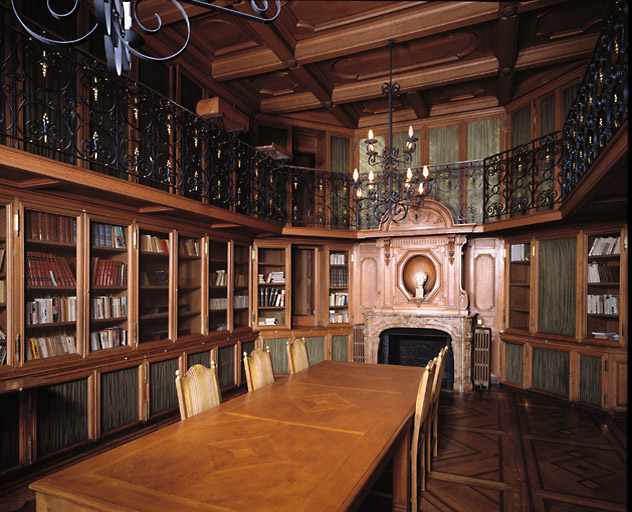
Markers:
point(431, 216)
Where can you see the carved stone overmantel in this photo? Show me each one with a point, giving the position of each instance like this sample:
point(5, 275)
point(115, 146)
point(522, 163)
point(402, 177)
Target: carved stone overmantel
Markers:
point(459, 327)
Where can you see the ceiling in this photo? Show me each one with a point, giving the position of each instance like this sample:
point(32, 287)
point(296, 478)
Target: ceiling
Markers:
point(326, 61)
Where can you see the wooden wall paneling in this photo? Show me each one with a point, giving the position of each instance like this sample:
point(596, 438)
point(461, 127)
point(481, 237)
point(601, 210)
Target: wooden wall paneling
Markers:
point(366, 275)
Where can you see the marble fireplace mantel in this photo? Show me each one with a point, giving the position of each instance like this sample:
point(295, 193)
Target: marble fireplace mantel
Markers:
point(458, 326)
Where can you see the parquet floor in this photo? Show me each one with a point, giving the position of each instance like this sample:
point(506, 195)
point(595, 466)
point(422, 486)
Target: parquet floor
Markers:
point(506, 450)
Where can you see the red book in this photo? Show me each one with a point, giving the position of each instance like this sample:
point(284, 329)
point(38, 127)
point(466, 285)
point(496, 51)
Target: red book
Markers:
point(30, 278)
point(40, 270)
point(112, 273)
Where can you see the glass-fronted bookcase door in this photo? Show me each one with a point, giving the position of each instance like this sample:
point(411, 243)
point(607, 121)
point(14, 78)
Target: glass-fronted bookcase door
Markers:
point(51, 302)
point(109, 285)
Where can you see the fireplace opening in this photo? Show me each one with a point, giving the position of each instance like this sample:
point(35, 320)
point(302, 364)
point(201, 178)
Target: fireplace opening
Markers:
point(415, 347)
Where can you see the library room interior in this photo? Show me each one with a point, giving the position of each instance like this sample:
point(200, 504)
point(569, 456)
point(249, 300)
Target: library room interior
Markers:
point(313, 255)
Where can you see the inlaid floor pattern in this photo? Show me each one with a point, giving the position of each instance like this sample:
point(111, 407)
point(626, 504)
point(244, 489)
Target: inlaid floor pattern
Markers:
point(506, 450)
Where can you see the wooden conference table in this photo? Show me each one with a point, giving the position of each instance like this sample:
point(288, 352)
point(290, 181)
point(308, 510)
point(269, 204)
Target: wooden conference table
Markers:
point(315, 441)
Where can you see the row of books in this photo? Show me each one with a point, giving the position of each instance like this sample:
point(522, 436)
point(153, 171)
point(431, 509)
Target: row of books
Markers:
point(189, 247)
point(603, 304)
point(241, 280)
point(3, 291)
point(151, 243)
point(50, 310)
point(342, 317)
point(108, 235)
point(240, 301)
point(598, 273)
point(218, 304)
point(154, 278)
point(338, 277)
point(338, 299)
point(277, 277)
point(46, 269)
point(268, 321)
point(106, 306)
point(50, 346)
point(50, 227)
point(605, 245)
point(108, 272)
point(219, 278)
point(600, 335)
point(271, 297)
point(337, 258)
point(519, 252)
point(108, 338)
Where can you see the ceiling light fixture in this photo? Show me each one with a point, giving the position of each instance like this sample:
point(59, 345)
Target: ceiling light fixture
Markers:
point(390, 194)
point(116, 19)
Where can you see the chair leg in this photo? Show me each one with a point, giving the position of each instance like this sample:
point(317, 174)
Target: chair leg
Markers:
point(435, 433)
point(414, 482)
point(422, 467)
point(428, 443)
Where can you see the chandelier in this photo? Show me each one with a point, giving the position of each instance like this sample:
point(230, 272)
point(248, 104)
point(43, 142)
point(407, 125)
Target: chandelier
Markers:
point(388, 192)
point(116, 20)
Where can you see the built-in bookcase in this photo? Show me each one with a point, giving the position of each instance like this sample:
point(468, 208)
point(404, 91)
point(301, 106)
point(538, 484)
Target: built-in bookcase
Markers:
point(519, 256)
point(50, 285)
point(109, 278)
point(241, 286)
point(189, 285)
point(272, 295)
point(218, 286)
point(338, 287)
point(603, 276)
point(154, 280)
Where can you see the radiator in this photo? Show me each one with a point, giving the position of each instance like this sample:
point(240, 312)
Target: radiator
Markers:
point(358, 343)
point(480, 357)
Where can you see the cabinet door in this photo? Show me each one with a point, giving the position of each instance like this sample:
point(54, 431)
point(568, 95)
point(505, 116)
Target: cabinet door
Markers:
point(4, 314)
point(154, 281)
point(189, 285)
point(218, 286)
point(338, 287)
point(519, 286)
point(109, 289)
point(241, 288)
point(50, 285)
point(603, 278)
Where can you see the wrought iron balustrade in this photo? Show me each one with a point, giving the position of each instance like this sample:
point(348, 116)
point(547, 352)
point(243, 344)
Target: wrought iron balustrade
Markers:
point(601, 105)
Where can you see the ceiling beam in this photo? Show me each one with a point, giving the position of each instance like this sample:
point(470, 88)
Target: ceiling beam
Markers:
point(421, 20)
point(416, 101)
point(506, 46)
point(553, 52)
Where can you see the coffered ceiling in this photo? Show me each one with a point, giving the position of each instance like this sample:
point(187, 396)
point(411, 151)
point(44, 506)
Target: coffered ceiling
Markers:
point(326, 61)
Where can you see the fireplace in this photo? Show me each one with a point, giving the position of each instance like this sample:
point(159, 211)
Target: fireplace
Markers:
point(415, 347)
point(455, 330)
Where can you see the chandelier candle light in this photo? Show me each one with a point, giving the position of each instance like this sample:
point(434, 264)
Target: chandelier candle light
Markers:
point(390, 195)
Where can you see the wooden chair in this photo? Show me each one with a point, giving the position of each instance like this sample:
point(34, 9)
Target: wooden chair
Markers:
point(198, 390)
point(258, 367)
point(432, 433)
point(417, 449)
point(297, 358)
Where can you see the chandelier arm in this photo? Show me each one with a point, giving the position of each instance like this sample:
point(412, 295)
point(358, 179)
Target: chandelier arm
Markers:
point(253, 3)
point(53, 42)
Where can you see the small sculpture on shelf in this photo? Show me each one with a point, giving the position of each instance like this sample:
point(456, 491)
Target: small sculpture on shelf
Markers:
point(420, 279)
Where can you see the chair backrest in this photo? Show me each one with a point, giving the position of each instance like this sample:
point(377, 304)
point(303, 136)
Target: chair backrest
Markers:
point(197, 390)
point(438, 375)
point(297, 358)
point(424, 395)
point(258, 367)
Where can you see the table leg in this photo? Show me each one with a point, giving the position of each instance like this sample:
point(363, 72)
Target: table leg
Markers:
point(401, 472)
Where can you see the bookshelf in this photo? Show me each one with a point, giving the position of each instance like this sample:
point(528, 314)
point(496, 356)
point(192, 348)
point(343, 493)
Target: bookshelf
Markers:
point(603, 276)
point(50, 285)
point(109, 278)
point(218, 286)
point(154, 281)
point(338, 287)
point(519, 285)
point(189, 285)
point(272, 293)
point(4, 354)
point(241, 288)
